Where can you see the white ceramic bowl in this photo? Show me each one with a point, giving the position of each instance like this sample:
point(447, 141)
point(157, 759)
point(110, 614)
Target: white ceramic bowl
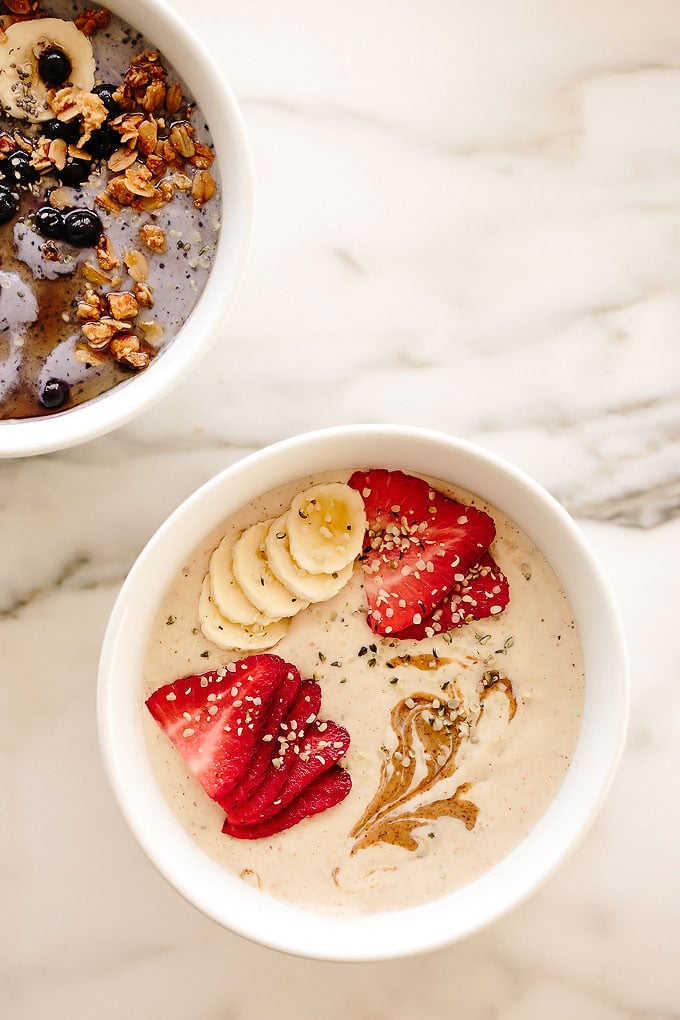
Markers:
point(176, 41)
point(253, 914)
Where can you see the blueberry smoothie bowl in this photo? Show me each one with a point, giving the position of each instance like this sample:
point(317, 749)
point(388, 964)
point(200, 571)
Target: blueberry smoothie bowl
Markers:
point(113, 213)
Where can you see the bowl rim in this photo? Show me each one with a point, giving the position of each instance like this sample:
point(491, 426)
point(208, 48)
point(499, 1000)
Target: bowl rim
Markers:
point(353, 938)
point(24, 437)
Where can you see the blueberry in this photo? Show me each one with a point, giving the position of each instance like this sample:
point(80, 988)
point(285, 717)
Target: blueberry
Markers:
point(9, 203)
point(54, 67)
point(75, 172)
point(69, 131)
point(18, 168)
point(102, 143)
point(49, 222)
point(105, 93)
point(82, 228)
point(55, 394)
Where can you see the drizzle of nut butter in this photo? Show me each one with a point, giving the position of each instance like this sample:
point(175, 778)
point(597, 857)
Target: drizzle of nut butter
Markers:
point(390, 816)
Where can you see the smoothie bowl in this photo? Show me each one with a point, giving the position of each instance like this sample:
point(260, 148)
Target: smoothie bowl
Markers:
point(125, 214)
point(362, 692)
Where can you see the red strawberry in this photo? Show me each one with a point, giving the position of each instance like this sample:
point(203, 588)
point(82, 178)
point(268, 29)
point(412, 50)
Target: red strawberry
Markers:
point(280, 757)
point(418, 544)
point(317, 748)
point(288, 692)
point(484, 592)
point(324, 792)
point(322, 746)
point(215, 720)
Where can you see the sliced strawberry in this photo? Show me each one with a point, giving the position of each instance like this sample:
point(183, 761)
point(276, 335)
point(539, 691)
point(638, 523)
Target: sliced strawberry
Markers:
point(484, 592)
point(324, 792)
point(215, 720)
point(280, 757)
point(317, 748)
point(321, 747)
point(259, 763)
point(418, 544)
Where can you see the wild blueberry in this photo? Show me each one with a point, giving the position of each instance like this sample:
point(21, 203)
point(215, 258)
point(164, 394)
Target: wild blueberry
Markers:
point(68, 130)
point(18, 168)
point(82, 228)
point(54, 66)
point(75, 172)
point(105, 93)
point(49, 222)
point(9, 203)
point(55, 394)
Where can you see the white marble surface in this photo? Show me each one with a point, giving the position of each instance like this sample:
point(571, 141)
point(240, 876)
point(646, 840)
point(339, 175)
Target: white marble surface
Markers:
point(468, 217)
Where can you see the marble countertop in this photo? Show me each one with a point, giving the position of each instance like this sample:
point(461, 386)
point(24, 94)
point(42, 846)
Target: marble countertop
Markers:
point(468, 218)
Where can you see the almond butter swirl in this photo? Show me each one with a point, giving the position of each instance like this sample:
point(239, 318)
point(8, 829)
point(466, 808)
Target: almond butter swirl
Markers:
point(437, 729)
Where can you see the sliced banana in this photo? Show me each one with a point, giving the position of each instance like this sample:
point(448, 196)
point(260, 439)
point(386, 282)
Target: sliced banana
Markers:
point(23, 93)
point(312, 587)
point(226, 634)
point(326, 525)
point(227, 593)
point(258, 583)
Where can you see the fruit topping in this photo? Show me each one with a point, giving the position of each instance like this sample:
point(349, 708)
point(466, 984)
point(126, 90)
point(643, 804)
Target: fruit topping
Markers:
point(68, 130)
point(102, 143)
point(9, 203)
point(54, 67)
point(484, 592)
point(419, 543)
point(311, 587)
point(75, 172)
point(38, 55)
point(105, 93)
point(258, 801)
point(49, 222)
point(215, 720)
point(251, 734)
point(256, 580)
point(292, 692)
point(18, 169)
point(224, 633)
point(326, 525)
point(82, 228)
point(319, 747)
point(54, 394)
point(226, 592)
point(325, 792)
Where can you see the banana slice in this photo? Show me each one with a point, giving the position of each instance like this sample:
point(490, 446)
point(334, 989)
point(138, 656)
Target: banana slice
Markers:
point(312, 587)
point(23, 93)
point(227, 593)
point(326, 525)
point(258, 583)
point(226, 634)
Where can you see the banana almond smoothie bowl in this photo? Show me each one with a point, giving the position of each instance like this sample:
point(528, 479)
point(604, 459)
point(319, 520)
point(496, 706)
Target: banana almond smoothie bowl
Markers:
point(362, 691)
point(109, 201)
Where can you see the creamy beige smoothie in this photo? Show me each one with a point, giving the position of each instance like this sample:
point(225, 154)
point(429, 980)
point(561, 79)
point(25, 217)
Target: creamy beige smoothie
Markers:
point(512, 684)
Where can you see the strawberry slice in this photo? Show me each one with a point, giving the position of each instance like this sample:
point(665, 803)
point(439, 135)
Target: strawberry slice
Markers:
point(324, 792)
point(419, 543)
point(317, 748)
point(321, 747)
point(216, 719)
point(484, 592)
point(288, 692)
point(253, 805)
